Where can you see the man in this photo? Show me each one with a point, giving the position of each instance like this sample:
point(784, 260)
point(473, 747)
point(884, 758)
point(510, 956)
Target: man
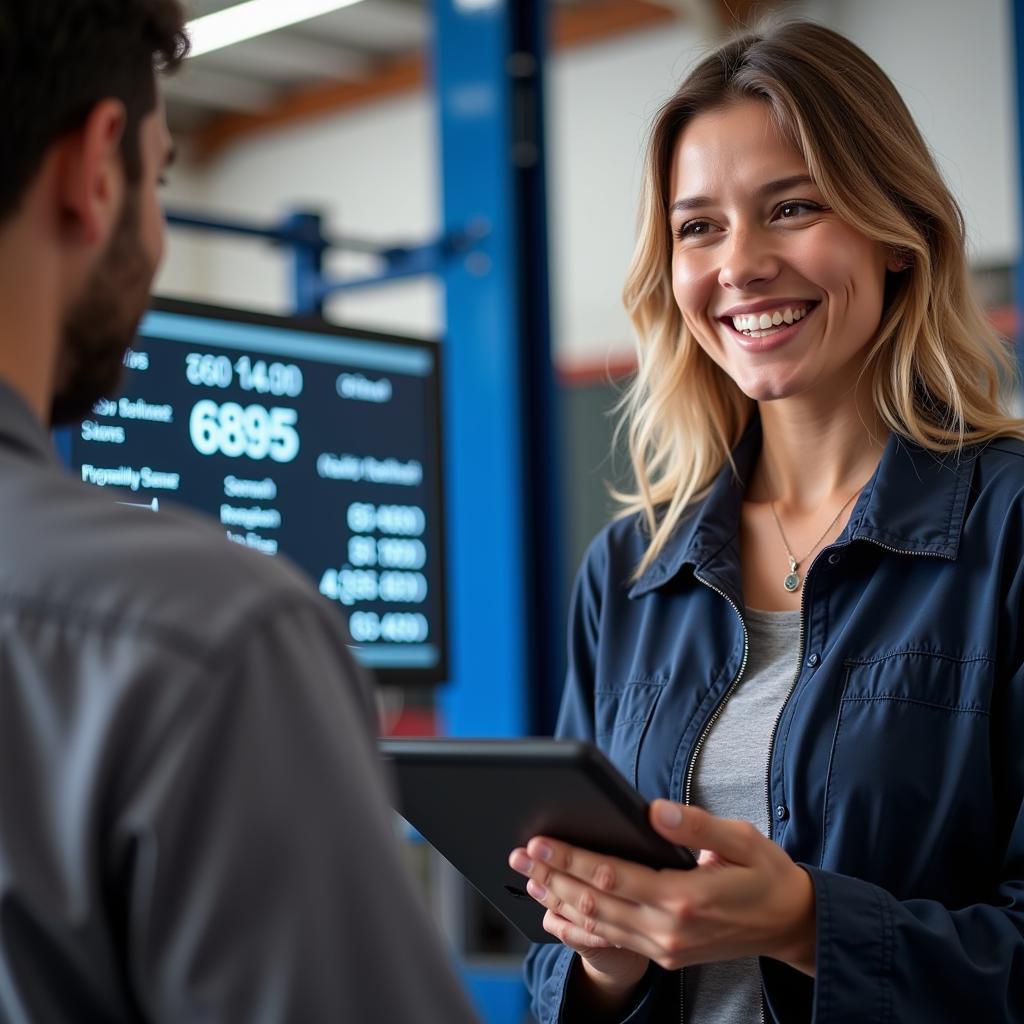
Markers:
point(193, 826)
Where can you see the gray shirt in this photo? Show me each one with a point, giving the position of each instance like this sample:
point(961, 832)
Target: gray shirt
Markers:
point(193, 821)
point(729, 781)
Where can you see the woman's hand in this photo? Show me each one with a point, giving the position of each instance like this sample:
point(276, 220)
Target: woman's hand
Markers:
point(746, 897)
point(613, 972)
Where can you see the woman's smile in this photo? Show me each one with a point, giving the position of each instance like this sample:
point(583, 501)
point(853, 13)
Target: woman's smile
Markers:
point(766, 326)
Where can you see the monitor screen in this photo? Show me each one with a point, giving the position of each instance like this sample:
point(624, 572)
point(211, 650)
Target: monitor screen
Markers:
point(300, 438)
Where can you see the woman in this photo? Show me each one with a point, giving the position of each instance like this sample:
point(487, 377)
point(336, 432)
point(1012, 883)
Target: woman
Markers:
point(805, 630)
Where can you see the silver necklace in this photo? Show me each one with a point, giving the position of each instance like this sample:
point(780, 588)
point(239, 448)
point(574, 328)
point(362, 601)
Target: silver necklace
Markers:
point(793, 580)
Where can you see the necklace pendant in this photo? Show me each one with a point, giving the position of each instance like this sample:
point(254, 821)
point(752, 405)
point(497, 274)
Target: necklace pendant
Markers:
point(792, 580)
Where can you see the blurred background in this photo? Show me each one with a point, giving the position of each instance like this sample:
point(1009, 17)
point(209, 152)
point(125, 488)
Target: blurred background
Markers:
point(484, 161)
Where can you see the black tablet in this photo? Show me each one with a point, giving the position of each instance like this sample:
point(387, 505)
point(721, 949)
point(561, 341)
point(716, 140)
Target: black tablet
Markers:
point(476, 800)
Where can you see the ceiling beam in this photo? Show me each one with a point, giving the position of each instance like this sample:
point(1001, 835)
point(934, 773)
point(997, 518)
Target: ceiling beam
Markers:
point(218, 90)
point(572, 26)
point(736, 15)
point(285, 55)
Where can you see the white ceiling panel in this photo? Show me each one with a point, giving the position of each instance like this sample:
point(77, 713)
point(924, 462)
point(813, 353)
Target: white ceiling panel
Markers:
point(288, 58)
point(381, 26)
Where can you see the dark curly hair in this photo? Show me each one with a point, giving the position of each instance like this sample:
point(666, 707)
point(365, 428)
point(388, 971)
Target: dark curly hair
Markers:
point(59, 58)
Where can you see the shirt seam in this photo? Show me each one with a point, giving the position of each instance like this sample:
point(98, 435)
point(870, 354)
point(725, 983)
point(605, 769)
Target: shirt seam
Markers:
point(960, 708)
point(900, 652)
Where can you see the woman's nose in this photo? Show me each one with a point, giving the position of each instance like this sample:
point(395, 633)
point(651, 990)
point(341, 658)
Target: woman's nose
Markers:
point(748, 258)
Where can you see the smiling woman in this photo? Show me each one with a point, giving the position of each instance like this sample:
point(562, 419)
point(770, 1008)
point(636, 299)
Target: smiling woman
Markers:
point(805, 98)
point(822, 564)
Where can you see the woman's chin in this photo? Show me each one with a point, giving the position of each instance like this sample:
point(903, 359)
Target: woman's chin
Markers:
point(769, 387)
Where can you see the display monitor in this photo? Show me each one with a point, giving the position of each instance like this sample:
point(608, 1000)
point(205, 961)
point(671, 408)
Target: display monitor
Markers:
point(300, 438)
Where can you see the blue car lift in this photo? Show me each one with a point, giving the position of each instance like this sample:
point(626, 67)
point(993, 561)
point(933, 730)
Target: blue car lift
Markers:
point(501, 442)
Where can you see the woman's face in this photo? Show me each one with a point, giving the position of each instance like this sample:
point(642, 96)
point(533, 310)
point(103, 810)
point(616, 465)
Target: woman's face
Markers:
point(781, 294)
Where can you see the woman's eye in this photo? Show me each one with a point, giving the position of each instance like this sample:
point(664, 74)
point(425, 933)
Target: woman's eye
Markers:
point(787, 211)
point(693, 229)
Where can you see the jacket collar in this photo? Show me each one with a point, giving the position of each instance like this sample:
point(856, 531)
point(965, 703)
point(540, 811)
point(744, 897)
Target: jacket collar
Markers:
point(914, 503)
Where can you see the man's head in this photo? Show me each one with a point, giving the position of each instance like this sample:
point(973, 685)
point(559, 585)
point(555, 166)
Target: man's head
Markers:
point(85, 146)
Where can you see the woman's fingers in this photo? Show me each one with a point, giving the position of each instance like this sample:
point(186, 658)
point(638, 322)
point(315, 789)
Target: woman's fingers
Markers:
point(589, 913)
point(624, 879)
point(572, 935)
point(693, 827)
point(585, 906)
point(566, 924)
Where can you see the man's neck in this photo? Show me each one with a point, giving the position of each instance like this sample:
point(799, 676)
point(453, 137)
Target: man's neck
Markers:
point(30, 301)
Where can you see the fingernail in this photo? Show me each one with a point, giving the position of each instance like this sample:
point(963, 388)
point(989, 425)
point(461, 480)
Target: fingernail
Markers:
point(536, 890)
point(542, 851)
point(521, 863)
point(670, 815)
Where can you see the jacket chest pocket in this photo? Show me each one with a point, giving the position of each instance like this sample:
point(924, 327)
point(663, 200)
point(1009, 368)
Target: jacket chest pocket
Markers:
point(910, 769)
point(621, 717)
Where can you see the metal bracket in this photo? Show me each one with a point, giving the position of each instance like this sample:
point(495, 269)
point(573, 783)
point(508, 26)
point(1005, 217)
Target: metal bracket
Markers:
point(302, 233)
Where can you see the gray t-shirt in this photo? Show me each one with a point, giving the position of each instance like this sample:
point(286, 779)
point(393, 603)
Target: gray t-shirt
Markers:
point(729, 781)
point(194, 825)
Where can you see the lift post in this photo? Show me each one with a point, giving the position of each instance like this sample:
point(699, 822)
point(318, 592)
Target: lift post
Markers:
point(504, 520)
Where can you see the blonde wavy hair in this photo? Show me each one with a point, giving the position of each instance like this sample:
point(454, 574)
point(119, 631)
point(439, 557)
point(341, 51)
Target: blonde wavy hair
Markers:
point(940, 374)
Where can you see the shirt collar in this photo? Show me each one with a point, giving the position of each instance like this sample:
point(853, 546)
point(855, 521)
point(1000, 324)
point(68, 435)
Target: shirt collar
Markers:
point(21, 430)
point(915, 503)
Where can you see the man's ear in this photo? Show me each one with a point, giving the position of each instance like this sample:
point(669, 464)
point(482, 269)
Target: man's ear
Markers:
point(90, 175)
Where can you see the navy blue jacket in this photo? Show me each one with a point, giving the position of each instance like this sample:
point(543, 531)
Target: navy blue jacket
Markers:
point(896, 772)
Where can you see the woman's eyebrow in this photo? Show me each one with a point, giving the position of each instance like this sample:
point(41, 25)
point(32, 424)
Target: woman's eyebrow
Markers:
point(772, 187)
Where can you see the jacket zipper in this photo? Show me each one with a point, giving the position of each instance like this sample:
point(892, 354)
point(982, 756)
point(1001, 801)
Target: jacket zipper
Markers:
point(688, 782)
point(688, 786)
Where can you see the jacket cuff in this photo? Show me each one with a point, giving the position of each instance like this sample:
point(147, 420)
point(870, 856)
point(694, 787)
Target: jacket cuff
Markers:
point(853, 950)
point(550, 999)
point(556, 986)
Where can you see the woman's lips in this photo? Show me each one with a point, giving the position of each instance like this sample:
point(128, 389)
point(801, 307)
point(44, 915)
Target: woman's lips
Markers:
point(771, 341)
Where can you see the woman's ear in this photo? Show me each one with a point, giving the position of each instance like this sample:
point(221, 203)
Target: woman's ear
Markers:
point(897, 260)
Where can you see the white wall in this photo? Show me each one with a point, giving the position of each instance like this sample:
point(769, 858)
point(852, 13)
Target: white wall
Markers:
point(188, 260)
point(953, 63)
point(374, 171)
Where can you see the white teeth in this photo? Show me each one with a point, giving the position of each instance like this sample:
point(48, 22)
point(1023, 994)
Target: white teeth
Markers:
point(753, 323)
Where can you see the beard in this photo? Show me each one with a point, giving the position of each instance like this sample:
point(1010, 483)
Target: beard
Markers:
point(101, 324)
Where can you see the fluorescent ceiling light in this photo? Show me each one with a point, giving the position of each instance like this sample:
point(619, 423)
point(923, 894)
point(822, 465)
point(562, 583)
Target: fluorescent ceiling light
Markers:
point(254, 18)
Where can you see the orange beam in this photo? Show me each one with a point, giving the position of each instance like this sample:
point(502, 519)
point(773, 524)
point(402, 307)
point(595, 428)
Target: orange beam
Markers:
point(591, 23)
point(572, 27)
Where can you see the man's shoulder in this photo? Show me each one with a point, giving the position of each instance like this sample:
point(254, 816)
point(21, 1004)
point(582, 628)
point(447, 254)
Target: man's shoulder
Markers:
point(76, 548)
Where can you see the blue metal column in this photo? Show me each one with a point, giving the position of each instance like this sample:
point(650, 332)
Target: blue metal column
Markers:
point(1018, 70)
point(503, 519)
